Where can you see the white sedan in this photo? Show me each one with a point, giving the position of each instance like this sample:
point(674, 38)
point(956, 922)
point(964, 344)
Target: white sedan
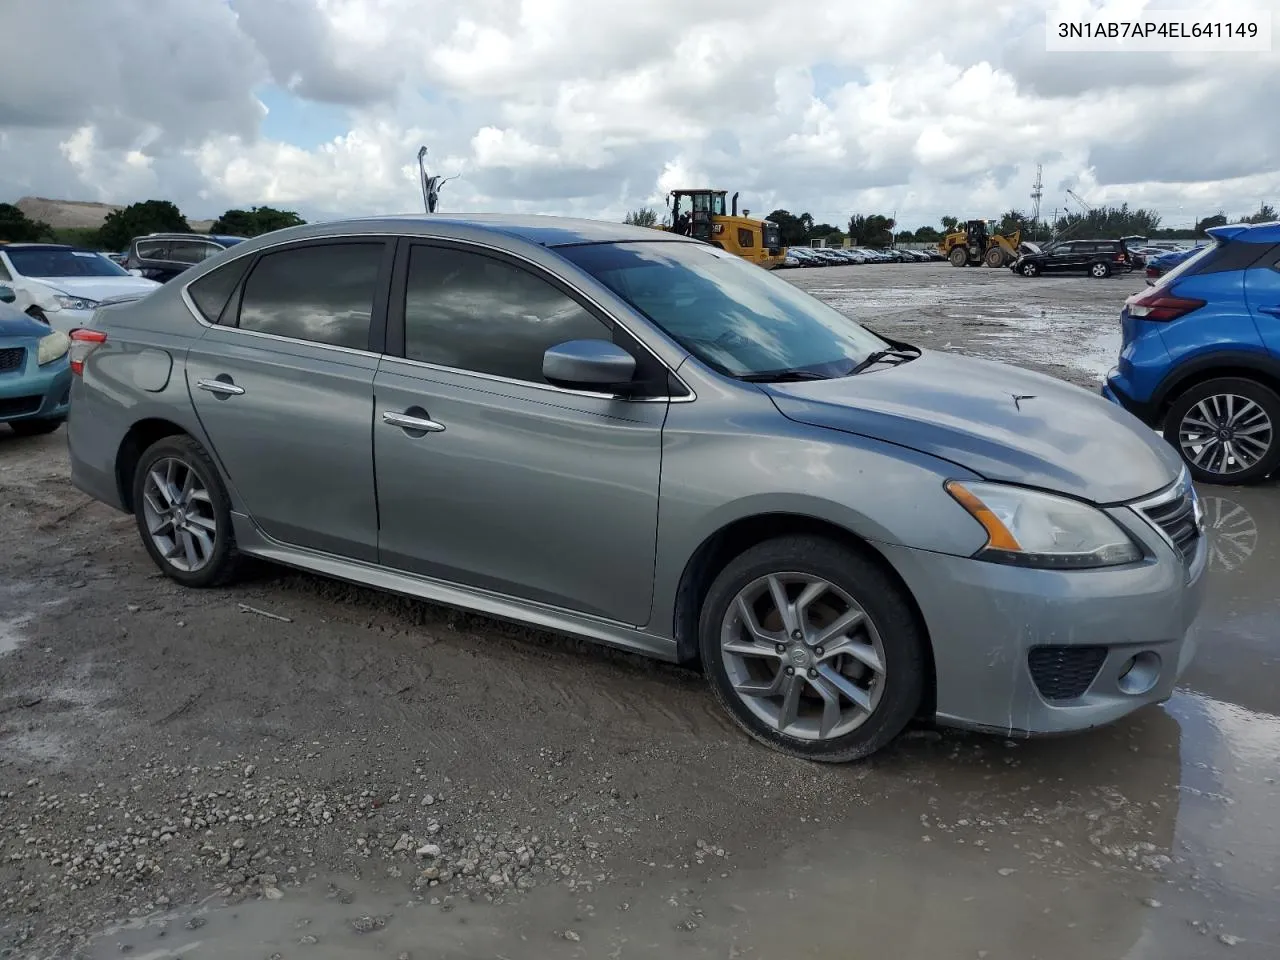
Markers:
point(61, 285)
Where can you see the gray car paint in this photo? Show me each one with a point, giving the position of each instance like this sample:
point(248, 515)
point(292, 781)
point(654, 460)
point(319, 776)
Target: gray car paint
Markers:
point(656, 480)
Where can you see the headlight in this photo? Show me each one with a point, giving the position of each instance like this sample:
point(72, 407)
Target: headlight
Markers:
point(52, 347)
point(1032, 529)
point(73, 303)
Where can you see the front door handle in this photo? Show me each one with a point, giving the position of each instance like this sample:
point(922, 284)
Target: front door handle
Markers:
point(224, 387)
point(425, 424)
point(1274, 311)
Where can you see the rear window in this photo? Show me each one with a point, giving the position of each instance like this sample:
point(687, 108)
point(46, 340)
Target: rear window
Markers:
point(1188, 264)
point(212, 291)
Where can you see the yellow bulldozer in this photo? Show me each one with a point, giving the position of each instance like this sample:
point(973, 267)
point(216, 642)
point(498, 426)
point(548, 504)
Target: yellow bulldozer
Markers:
point(703, 214)
point(979, 242)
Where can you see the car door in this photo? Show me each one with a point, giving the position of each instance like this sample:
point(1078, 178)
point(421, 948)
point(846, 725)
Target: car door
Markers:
point(501, 481)
point(1058, 258)
point(282, 382)
point(1262, 292)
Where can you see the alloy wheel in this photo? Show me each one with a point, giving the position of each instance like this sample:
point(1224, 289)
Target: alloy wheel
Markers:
point(179, 514)
point(1225, 434)
point(803, 656)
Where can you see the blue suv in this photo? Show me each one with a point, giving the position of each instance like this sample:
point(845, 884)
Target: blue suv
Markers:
point(1200, 355)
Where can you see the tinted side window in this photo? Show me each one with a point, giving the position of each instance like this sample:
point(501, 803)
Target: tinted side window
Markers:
point(478, 313)
point(191, 251)
point(320, 293)
point(212, 291)
point(152, 250)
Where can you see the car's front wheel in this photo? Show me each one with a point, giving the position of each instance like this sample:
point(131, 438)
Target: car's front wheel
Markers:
point(184, 514)
point(1029, 270)
point(813, 649)
point(1100, 271)
point(1225, 430)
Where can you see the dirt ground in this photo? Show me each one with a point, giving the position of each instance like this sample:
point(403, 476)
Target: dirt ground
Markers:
point(297, 768)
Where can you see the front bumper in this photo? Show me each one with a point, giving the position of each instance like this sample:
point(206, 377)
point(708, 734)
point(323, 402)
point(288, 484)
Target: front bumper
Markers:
point(984, 620)
point(35, 392)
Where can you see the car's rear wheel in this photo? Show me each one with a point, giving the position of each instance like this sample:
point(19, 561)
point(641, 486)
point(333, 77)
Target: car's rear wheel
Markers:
point(1225, 430)
point(35, 428)
point(812, 649)
point(1100, 271)
point(184, 514)
point(1029, 270)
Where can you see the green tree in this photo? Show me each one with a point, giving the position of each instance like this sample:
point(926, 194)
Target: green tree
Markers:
point(949, 224)
point(644, 217)
point(927, 235)
point(137, 219)
point(16, 226)
point(1218, 219)
point(1109, 223)
point(1266, 214)
point(255, 222)
point(873, 230)
point(793, 230)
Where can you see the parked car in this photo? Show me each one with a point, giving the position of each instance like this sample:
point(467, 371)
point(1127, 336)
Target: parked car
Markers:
point(35, 379)
point(652, 443)
point(1095, 258)
point(1157, 266)
point(61, 285)
point(162, 256)
point(1200, 355)
point(806, 256)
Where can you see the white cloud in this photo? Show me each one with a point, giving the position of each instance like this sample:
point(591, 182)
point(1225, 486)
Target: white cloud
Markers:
point(591, 108)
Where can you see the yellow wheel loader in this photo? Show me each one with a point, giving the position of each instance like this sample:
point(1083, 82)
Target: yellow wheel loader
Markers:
point(702, 214)
point(979, 243)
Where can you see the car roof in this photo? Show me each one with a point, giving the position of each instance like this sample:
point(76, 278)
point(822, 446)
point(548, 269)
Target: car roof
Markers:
point(1247, 232)
point(40, 246)
point(547, 231)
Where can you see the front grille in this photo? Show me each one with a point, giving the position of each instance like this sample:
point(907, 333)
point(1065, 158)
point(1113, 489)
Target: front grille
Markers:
point(1064, 673)
point(12, 358)
point(19, 406)
point(1174, 514)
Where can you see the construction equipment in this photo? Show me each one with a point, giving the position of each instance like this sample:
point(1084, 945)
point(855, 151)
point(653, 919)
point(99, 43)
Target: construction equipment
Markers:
point(702, 214)
point(980, 242)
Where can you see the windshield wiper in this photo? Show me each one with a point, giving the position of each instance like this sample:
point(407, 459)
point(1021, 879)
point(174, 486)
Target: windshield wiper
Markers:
point(875, 356)
point(783, 376)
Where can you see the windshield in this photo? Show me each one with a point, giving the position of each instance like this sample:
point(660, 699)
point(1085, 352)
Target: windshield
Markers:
point(1186, 265)
point(730, 314)
point(37, 262)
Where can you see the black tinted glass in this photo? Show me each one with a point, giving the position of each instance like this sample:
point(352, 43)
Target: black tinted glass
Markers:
point(212, 291)
point(477, 313)
point(323, 293)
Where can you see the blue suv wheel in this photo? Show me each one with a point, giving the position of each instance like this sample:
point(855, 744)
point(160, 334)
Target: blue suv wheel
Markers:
point(1200, 356)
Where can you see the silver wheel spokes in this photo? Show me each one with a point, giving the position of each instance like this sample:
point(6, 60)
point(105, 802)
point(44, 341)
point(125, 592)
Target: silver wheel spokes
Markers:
point(179, 515)
point(1232, 533)
point(803, 656)
point(1225, 434)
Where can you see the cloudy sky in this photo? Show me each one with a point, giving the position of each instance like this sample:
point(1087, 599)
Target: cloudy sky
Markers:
point(593, 107)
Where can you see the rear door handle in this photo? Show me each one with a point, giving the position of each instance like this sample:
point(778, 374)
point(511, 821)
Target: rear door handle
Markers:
point(1274, 311)
point(412, 423)
point(224, 387)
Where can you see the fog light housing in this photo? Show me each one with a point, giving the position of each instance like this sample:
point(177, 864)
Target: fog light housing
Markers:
point(1140, 674)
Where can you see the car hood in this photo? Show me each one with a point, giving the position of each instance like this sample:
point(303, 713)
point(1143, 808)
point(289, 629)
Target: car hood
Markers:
point(98, 288)
point(16, 324)
point(999, 421)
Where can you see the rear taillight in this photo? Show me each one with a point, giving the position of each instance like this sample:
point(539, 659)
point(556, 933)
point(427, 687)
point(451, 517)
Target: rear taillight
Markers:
point(1160, 306)
point(83, 342)
point(1152, 273)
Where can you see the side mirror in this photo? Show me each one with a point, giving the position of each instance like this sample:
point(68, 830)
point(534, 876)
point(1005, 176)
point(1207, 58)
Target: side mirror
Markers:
point(7, 295)
point(135, 272)
point(589, 364)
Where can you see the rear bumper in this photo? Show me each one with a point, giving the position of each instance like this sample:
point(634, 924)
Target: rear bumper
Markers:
point(984, 621)
point(1114, 390)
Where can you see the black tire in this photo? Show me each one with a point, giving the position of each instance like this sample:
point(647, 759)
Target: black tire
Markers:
point(994, 257)
point(1100, 270)
point(884, 602)
point(225, 561)
point(36, 428)
point(959, 256)
point(1263, 396)
point(1029, 270)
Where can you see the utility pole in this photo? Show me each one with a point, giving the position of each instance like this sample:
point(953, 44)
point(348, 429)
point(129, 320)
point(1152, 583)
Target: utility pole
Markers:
point(1037, 192)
